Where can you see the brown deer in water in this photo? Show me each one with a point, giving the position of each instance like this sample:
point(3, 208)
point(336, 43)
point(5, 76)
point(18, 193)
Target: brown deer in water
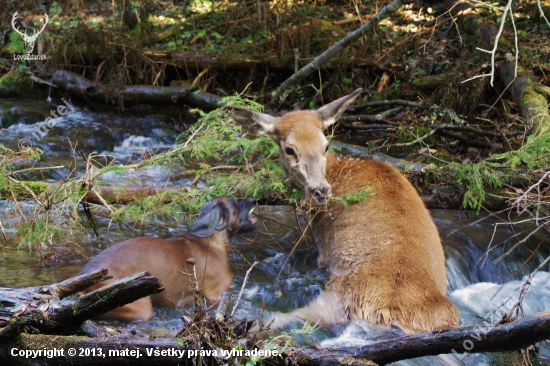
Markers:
point(384, 254)
point(207, 242)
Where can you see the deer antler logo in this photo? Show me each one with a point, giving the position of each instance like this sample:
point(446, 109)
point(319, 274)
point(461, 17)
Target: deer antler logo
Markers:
point(29, 40)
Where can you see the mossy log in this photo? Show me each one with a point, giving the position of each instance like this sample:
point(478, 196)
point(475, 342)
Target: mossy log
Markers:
point(125, 195)
point(80, 87)
point(111, 195)
point(16, 84)
point(48, 309)
point(435, 196)
point(201, 61)
point(532, 103)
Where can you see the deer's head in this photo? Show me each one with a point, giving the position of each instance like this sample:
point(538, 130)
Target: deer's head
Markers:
point(302, 144)
point(29, 40)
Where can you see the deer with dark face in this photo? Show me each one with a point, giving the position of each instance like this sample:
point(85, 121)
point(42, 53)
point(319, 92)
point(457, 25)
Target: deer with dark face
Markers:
point(207, 242)
point(384, 254)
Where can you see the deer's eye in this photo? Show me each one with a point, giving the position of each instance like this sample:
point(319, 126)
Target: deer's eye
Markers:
point(289, 151)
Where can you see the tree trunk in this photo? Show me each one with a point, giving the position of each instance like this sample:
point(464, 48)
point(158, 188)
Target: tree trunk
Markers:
point(81, 87)
point(506, 337)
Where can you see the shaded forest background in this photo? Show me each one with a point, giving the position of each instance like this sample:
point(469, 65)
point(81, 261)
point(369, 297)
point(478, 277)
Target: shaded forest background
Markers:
point(469, 128)
point(468, 141)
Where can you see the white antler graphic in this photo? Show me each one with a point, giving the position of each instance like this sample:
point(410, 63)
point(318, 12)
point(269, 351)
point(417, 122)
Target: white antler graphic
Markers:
point(29, 40)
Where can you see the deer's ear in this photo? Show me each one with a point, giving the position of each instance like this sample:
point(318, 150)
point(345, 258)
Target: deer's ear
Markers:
point(211, 218)
point(332, 111)
point(256, 123)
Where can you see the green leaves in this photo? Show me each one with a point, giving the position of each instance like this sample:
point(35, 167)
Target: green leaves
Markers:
point(353, 197)
point(533, 155)
point(218, 152)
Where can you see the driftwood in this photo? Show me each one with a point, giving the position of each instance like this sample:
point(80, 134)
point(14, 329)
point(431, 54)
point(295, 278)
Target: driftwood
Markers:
point(124, 348)
point(80, 87)
point(506, 337)
point(47, 309)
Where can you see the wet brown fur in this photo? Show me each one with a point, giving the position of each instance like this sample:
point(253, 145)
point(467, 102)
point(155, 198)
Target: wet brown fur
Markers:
point(166, 258)
point(386, 249)
point(384, 254)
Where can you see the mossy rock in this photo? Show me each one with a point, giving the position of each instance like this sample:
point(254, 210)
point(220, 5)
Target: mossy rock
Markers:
point(14, 84)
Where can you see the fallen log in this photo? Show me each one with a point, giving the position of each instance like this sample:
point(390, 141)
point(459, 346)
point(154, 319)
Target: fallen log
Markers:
point(47, 309)
point(125, 348)
point(438, 196)
point(125, 195)
point(201, 61)
point(109, 194)
point(364, 153)
point(80, 87)
point(506, 337)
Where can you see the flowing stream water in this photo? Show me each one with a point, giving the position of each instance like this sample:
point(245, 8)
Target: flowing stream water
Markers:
point(480, 286)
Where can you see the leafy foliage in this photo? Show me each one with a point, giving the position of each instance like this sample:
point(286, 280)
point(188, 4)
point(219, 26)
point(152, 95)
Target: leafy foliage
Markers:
point(353, 197)
point(475, 178)
point(54, 210)
point(229, 163)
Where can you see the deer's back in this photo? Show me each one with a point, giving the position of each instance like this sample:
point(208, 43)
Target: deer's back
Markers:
point(166, 258)
point(390, 235)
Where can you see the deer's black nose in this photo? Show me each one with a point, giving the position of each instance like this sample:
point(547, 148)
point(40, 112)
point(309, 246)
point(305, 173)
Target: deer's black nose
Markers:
point(320, 194)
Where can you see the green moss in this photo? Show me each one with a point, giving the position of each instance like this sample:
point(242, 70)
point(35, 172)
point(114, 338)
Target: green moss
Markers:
point(429, 82)
point(14, 84)
point(444, 155)
point(531, 96)
point(388, 94)
point(512, 358)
